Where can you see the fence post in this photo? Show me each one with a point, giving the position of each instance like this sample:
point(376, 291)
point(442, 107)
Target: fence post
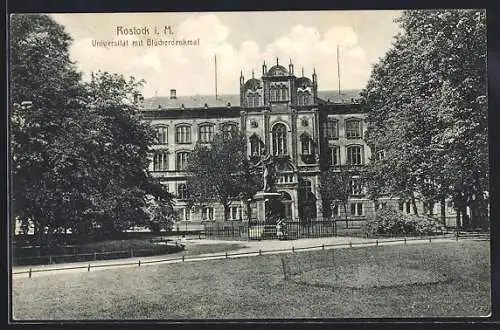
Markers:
point(88, 269)
point(456, 236)
point(95, 255)
point(260, 252)
point(29, 273)
point(350, 244)
point(50, 259)
point(405, 240)
point(293, 248)
point(139, 263)
point(376, 242)
point(323, 246)
point(226, 255)
point(182, 258)
point(429, 239)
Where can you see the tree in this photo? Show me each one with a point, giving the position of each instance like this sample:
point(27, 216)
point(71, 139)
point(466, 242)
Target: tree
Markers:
point(79, 150)
point(45, 97)
point(220, 172)
point(335, 187)
point(424, 109)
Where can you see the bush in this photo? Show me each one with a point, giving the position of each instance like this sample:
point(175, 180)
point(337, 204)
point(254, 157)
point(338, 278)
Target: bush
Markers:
point(389, 221)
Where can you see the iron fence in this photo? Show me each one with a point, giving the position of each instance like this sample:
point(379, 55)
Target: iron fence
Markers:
point(240, 230)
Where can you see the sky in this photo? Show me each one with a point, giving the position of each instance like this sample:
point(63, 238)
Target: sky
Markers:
point(241, 41)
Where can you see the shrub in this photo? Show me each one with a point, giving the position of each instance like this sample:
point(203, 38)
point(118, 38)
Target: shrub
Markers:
point(388, 221)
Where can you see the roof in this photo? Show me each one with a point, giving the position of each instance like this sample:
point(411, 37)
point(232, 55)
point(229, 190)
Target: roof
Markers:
point(199, 101)
point(195, 101)
point(277, 70)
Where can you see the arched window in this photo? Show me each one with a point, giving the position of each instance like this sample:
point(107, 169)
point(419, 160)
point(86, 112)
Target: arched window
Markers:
point(306, 98)
point(182, 160)
point(160, 161)
point(306, 142)
point(353, 129)
point(182, 192)
point(161, 135)
point(183, 134)
point(354, 155)
point(206, 133)
point(279, 134)
point(255, 146)
point(284, 93)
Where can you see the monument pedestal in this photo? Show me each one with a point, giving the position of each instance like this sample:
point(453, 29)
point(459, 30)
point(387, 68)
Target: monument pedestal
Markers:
point(264, 200)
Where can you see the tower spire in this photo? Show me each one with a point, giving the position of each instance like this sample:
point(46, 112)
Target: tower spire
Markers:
point(253, 74)
point(277, 61)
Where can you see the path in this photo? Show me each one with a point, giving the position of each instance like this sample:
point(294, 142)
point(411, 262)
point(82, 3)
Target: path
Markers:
point(251, 248)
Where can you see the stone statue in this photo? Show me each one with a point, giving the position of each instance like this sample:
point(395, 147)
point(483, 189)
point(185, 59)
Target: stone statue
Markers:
point(267, 172)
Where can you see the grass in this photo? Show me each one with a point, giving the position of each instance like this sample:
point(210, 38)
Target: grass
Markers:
point(254, 287)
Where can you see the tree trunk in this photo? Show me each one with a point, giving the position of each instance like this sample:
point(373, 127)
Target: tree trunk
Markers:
point(345, 215)
point(458, 223)
point(443, 211)
point(414, 204)
point(226, 211)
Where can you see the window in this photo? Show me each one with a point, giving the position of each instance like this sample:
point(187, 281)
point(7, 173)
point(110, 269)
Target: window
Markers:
point(206, 133)
point(303, 98)
point(306, 144)
point(160, 162)
point(334, 156)
point(284, 93)
point(207, 213)
point(357, 209)
point(228, 129)
point(335, 211)
point(354, 155)
point(255, 146)
point(332, 129)
point(182, 192)
point(183, 134)
point(356, 187)
point(182, 160)
point(234, 213)
point(161, 135)
point(253, 100)
point(273, 94)
point(380, 154)
point(279, 139)
point(353, 128)
point(184, 214)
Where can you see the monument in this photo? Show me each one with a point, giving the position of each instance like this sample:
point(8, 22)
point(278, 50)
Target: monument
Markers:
point(269, 207)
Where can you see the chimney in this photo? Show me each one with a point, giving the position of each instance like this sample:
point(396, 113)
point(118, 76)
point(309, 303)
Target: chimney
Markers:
point(173, 94)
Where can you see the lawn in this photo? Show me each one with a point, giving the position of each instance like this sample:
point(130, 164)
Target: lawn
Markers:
point(435, 280)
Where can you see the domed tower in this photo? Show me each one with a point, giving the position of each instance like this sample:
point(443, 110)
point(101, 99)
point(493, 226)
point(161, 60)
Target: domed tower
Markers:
point(277, 84)
point(304, 90)
point(251, 93)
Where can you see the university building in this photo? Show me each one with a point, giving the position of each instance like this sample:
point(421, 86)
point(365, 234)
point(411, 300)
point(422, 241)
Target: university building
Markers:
point(307, 131)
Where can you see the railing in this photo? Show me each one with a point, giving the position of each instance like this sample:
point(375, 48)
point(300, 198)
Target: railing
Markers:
point(367, 243)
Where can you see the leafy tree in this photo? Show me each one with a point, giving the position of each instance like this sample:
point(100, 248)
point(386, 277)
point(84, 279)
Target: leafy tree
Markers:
point(79, 150)
point(220, 172)
point(426, 103)
point(335, 187)
point(45, 97)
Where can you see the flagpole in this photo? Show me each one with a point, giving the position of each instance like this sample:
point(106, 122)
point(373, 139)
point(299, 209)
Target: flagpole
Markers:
point(338, 67)
point(215, 57)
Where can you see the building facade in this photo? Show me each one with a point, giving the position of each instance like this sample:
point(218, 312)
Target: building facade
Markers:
point(280, 113)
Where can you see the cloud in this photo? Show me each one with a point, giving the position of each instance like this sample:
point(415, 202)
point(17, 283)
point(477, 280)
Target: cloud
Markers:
point(191, 70)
